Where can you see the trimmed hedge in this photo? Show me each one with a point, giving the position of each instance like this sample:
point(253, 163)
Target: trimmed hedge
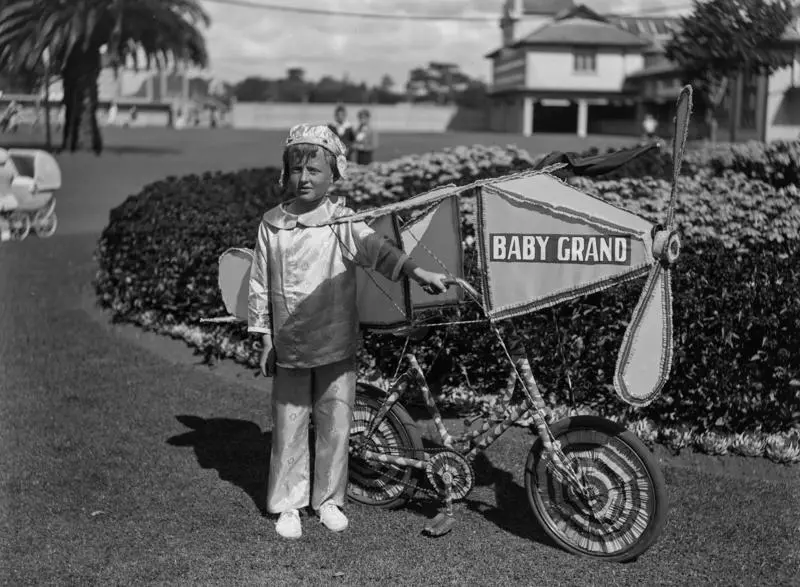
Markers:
point(737, 315)
point(776, 163)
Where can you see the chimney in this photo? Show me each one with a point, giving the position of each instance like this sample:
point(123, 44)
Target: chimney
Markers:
point(512, 12)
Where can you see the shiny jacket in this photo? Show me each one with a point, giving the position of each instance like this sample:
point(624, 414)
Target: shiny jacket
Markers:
point(303, 282)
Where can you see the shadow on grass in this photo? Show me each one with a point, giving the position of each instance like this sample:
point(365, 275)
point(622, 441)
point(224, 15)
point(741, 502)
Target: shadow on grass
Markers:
point(238, 450)
point(511, 510)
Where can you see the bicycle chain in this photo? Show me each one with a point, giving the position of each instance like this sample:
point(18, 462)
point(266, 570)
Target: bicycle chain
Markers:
point(415, 487)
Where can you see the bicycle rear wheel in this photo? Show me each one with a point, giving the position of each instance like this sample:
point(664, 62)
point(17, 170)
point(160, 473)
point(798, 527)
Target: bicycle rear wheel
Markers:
point(377, 484)
point(624, 509)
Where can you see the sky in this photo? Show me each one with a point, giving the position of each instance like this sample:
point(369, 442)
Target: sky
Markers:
point(246, 41)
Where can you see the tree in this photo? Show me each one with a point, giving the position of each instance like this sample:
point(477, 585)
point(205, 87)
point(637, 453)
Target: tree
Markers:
point(160, 32)
point(387, 83)
point(253, 89)
point(722, 39)
point(442, 83)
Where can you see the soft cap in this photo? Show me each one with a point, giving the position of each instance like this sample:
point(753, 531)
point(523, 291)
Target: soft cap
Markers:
point(322, 136)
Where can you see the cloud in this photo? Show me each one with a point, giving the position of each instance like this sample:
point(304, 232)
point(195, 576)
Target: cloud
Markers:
point(246, 41)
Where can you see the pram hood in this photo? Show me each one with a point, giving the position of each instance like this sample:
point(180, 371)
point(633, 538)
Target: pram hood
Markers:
point(39, 165)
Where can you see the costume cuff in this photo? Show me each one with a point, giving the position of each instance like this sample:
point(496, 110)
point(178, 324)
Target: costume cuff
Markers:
point(258, 330)
point(398, 267)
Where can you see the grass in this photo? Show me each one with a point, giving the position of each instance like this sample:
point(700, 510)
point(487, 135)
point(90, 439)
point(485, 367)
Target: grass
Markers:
point(125, 463)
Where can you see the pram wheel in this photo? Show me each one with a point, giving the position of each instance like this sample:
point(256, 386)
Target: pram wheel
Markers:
point(613, 504)
point(46, 225)
point(383, 485)
point(19, 226)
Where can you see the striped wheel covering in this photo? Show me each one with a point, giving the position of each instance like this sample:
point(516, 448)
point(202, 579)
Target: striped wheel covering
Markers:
point(370, 484)
point(618, 482)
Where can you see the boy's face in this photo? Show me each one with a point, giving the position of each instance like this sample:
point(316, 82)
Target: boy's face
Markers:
point(340, 115)
point(310, 177)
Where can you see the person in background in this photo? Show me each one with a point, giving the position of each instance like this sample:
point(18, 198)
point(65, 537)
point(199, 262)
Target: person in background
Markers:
point(113, 112)
point(366, 139)
point(343, 129)
point(649, 124)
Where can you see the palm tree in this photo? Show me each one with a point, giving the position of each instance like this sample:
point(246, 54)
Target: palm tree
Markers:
point(73, 33)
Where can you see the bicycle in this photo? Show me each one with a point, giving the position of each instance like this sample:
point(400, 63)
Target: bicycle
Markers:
point(570, 470)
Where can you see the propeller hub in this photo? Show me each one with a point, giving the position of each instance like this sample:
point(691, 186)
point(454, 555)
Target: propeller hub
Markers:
point(666, 246)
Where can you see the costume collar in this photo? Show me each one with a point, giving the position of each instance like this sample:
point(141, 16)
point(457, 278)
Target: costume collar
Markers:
point(280, 217)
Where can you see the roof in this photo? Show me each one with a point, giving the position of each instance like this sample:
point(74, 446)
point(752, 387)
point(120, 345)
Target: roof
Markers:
point(646, 26)
point(581, 31)
point(658, 70)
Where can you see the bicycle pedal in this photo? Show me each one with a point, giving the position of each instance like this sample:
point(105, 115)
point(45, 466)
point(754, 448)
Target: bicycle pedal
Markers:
point(440, 525)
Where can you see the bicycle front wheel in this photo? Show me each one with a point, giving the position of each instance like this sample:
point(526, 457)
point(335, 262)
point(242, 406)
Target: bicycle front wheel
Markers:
point(620, 507)
point(381, 484)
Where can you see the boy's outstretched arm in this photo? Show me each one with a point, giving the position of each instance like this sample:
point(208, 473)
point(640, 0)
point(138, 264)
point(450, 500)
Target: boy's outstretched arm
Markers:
point(377, 252)
point(430, 281)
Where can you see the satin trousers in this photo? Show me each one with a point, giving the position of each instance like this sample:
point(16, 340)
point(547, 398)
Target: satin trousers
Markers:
point(327, 394)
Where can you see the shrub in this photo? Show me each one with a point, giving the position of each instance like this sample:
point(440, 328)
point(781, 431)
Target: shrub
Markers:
point(777, 163)
point(736, 310)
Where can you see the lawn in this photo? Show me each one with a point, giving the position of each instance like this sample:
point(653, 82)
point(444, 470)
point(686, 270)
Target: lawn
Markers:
point(124, 461)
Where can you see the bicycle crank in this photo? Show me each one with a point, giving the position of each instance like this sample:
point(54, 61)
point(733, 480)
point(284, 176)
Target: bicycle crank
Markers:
point(452, 477)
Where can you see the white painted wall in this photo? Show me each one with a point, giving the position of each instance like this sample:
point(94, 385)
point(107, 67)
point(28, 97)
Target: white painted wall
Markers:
point(783, 104)
point(553, 69)
point(395, 118)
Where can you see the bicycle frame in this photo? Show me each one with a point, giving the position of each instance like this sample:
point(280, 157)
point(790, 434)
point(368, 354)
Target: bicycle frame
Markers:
point(532, 402)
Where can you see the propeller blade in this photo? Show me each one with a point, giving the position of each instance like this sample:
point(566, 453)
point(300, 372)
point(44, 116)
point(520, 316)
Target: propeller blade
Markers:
point(645, 357)
point(682, 117)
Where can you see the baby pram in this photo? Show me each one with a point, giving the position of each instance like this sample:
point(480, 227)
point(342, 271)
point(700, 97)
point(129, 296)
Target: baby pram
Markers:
point(29, 179)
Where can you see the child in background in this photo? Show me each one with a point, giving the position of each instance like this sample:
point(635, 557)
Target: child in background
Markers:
point(303, 302)
point(343, 129)
point(366, 139)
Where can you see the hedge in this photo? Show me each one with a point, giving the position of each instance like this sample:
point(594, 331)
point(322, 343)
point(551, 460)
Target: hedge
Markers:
point(776, 163)
point(737, 315)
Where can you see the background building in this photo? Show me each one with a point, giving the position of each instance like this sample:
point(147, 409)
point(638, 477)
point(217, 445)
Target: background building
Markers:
point(564, 68)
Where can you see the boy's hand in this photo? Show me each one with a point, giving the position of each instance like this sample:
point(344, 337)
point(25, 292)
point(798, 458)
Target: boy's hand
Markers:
point(432, 283)
point(267, 361)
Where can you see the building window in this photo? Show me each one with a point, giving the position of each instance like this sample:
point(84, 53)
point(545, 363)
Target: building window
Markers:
point(585, 61)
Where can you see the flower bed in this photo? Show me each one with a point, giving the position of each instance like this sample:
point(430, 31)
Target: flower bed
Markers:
point(737, 316)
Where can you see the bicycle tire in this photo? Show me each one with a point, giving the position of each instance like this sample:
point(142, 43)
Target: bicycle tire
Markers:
point(636, 513)
point(373, 484)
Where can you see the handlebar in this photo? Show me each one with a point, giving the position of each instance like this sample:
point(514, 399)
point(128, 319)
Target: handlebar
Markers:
point(463, 285)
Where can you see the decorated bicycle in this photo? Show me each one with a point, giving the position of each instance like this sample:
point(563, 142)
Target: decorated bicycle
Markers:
point(593, 486)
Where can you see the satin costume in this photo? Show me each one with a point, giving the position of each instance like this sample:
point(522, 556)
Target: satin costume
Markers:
point(303, 294)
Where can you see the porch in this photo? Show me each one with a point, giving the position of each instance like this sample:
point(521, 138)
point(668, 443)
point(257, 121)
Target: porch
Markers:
point(527, 112)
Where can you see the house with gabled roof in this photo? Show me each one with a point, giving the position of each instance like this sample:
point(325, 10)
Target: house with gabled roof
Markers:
point(548, 78)
point(563, 67)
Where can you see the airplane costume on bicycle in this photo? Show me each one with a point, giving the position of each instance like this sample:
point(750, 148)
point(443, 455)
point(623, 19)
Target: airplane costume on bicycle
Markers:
point(592, 485)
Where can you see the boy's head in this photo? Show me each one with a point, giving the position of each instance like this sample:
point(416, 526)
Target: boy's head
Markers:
point(340, 114)
point(313, 159)
point(363, 116)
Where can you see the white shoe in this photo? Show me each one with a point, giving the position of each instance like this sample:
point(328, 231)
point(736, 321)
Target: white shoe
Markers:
point(288, 525)
point(332, 517)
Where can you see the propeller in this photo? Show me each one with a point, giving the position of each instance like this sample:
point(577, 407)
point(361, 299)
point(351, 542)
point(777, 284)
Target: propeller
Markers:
point(645, 358)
